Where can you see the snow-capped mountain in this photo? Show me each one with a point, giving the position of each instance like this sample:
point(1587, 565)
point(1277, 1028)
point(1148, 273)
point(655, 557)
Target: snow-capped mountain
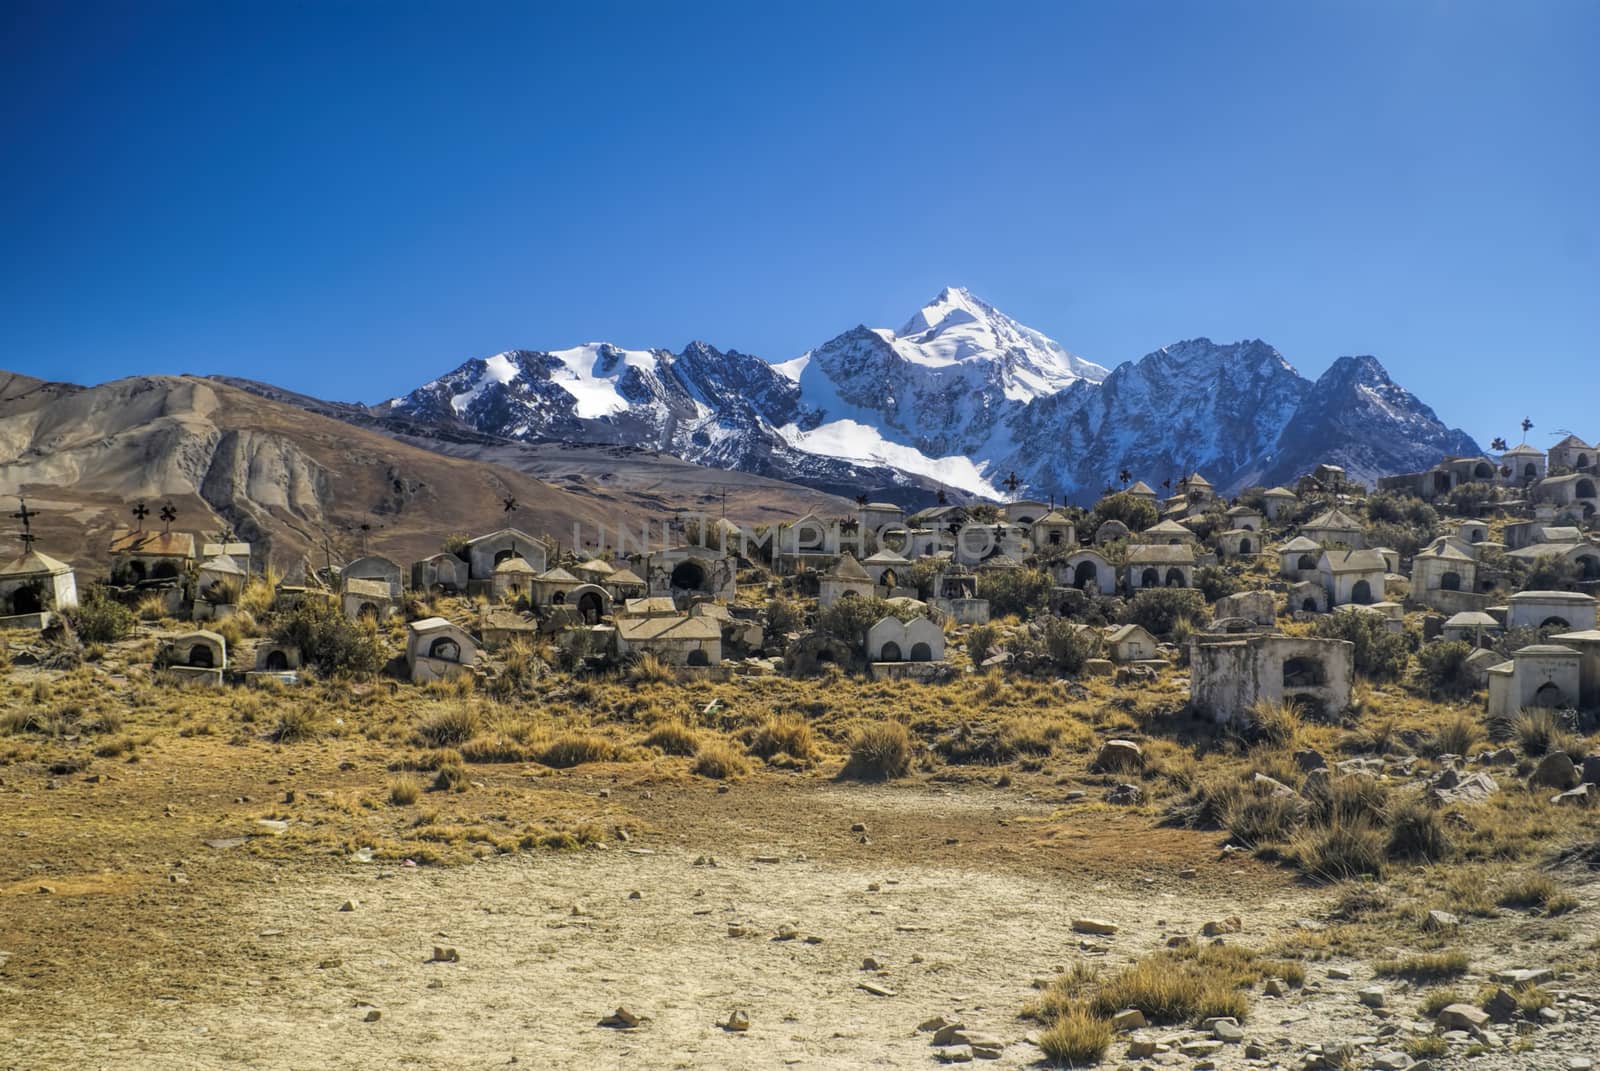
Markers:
point(960, 396)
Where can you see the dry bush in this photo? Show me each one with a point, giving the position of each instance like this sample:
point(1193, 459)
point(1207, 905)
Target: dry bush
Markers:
point(1540, 732)
point(575, 749)
point(673, 738)
point(1456, 736)
point(1275, 724)
point(784, 734)
point(1536, 890)
point(450, 777)
point(451, 727)
point(879, 751)
point(717, 759)
point(1190, 984)
point(1258, 818)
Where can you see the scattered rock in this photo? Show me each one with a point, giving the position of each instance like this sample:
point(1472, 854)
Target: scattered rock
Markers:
point(1339, 974)
point(870, 963)
point(1227, 1030)
point(1272, 786)
point(1096, 926)
point(736, 930)
point(858, 827)
point(1474, 789)
point(1231, 924)
point(1440, 921)
point(1373, 996)
point(348, 905)
point(938, 1022)
point(372, 1016)
point(738, 1022)
point(786, 932)
point(441, 954)
point(1188, 873)
point(1519, 976)
point(1099, 667)
point(768, 859)
point(954, 1056)
point(1199, 1048)
point(875, 989)
point(1582, 796)
point(1273, 988)
point(621, 1019)
point(1139, 1050)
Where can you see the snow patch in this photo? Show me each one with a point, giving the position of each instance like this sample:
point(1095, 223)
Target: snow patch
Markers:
point(850, 440)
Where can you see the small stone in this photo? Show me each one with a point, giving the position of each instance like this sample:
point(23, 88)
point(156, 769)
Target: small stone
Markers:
point(875, 989)
point(873, 886)
point(1438, 921)
point(1231, 924)
point(1373, 996)
point(1227, 1030)
point(1518, 976)
point(1199, 1048)
point(373, 1015)
point(858, 827)
point(938, 1022)
point(738, 1022)
point(329, 964)
point(736, 930)
point(1187, 873)
point(954, 1056)
point(1095, 926)
point(1339, 974)
point(1579, 1063)
point(787, 932)
point(1139, 1050)
point(1390, 1061)
point(1116, 756)
point(348, 905)
point(1125, 795)
point(635, 895)
point(1273, 988)
point(1309, 760)
point(1254, 1050)
point(768, 859)
point(1128, 1019)
point(622, 1019)
point(442, 954)
point(47, 890)
point(870, 963)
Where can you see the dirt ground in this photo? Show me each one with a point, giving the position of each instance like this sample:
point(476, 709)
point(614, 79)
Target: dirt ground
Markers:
point(194, 956)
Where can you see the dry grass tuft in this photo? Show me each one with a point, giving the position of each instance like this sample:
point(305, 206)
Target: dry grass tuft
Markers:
point(575, 749)
point(719, 760)
point(784, 734)
point(296, 724)
point(879, 751)
point(451, 727)
point(1077, 1038)
point(1425, 967)
point(673, 738)
point(404, 790)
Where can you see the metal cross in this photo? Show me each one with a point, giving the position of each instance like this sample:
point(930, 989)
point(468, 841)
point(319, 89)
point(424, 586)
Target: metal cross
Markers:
point(140, 512)
point(1527, 426)
point(168, 515)
point(26, 515)
point(1011, 483)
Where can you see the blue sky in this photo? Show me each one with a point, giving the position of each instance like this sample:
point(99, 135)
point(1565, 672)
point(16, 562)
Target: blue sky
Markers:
point(348, 199)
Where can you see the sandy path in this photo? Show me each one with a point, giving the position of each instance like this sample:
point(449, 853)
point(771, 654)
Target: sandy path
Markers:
point(534, 978)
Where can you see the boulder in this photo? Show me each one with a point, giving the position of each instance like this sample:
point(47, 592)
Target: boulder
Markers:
point(1308, 759)
point(1582, 796)
point(1095, 926)
point(1555, 770)
point(1271, 786)
point(1099, 667)
point(1115, 756)
point(1591, 770)
point(1474, 789)
point(1126, 795)
point(1463, 1017)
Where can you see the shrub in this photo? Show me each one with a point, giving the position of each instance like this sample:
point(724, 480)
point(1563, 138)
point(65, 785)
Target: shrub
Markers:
point(673, 738)
point(1277, 724)
point(1215, 582)
point(879, 751)
point(1380, 655)
point(1131, 510)
point(849, 619)
point(784, 615)
point(980, 640)
point(1076, 1038)
point(449, 728)
point(1442, 669)
point(1054, 644)
point(1021, 592)
point(99, 618)
point(716, 759)
point(328, 640)
point(404, 790)
point(784, 734)
point(1161, 609)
